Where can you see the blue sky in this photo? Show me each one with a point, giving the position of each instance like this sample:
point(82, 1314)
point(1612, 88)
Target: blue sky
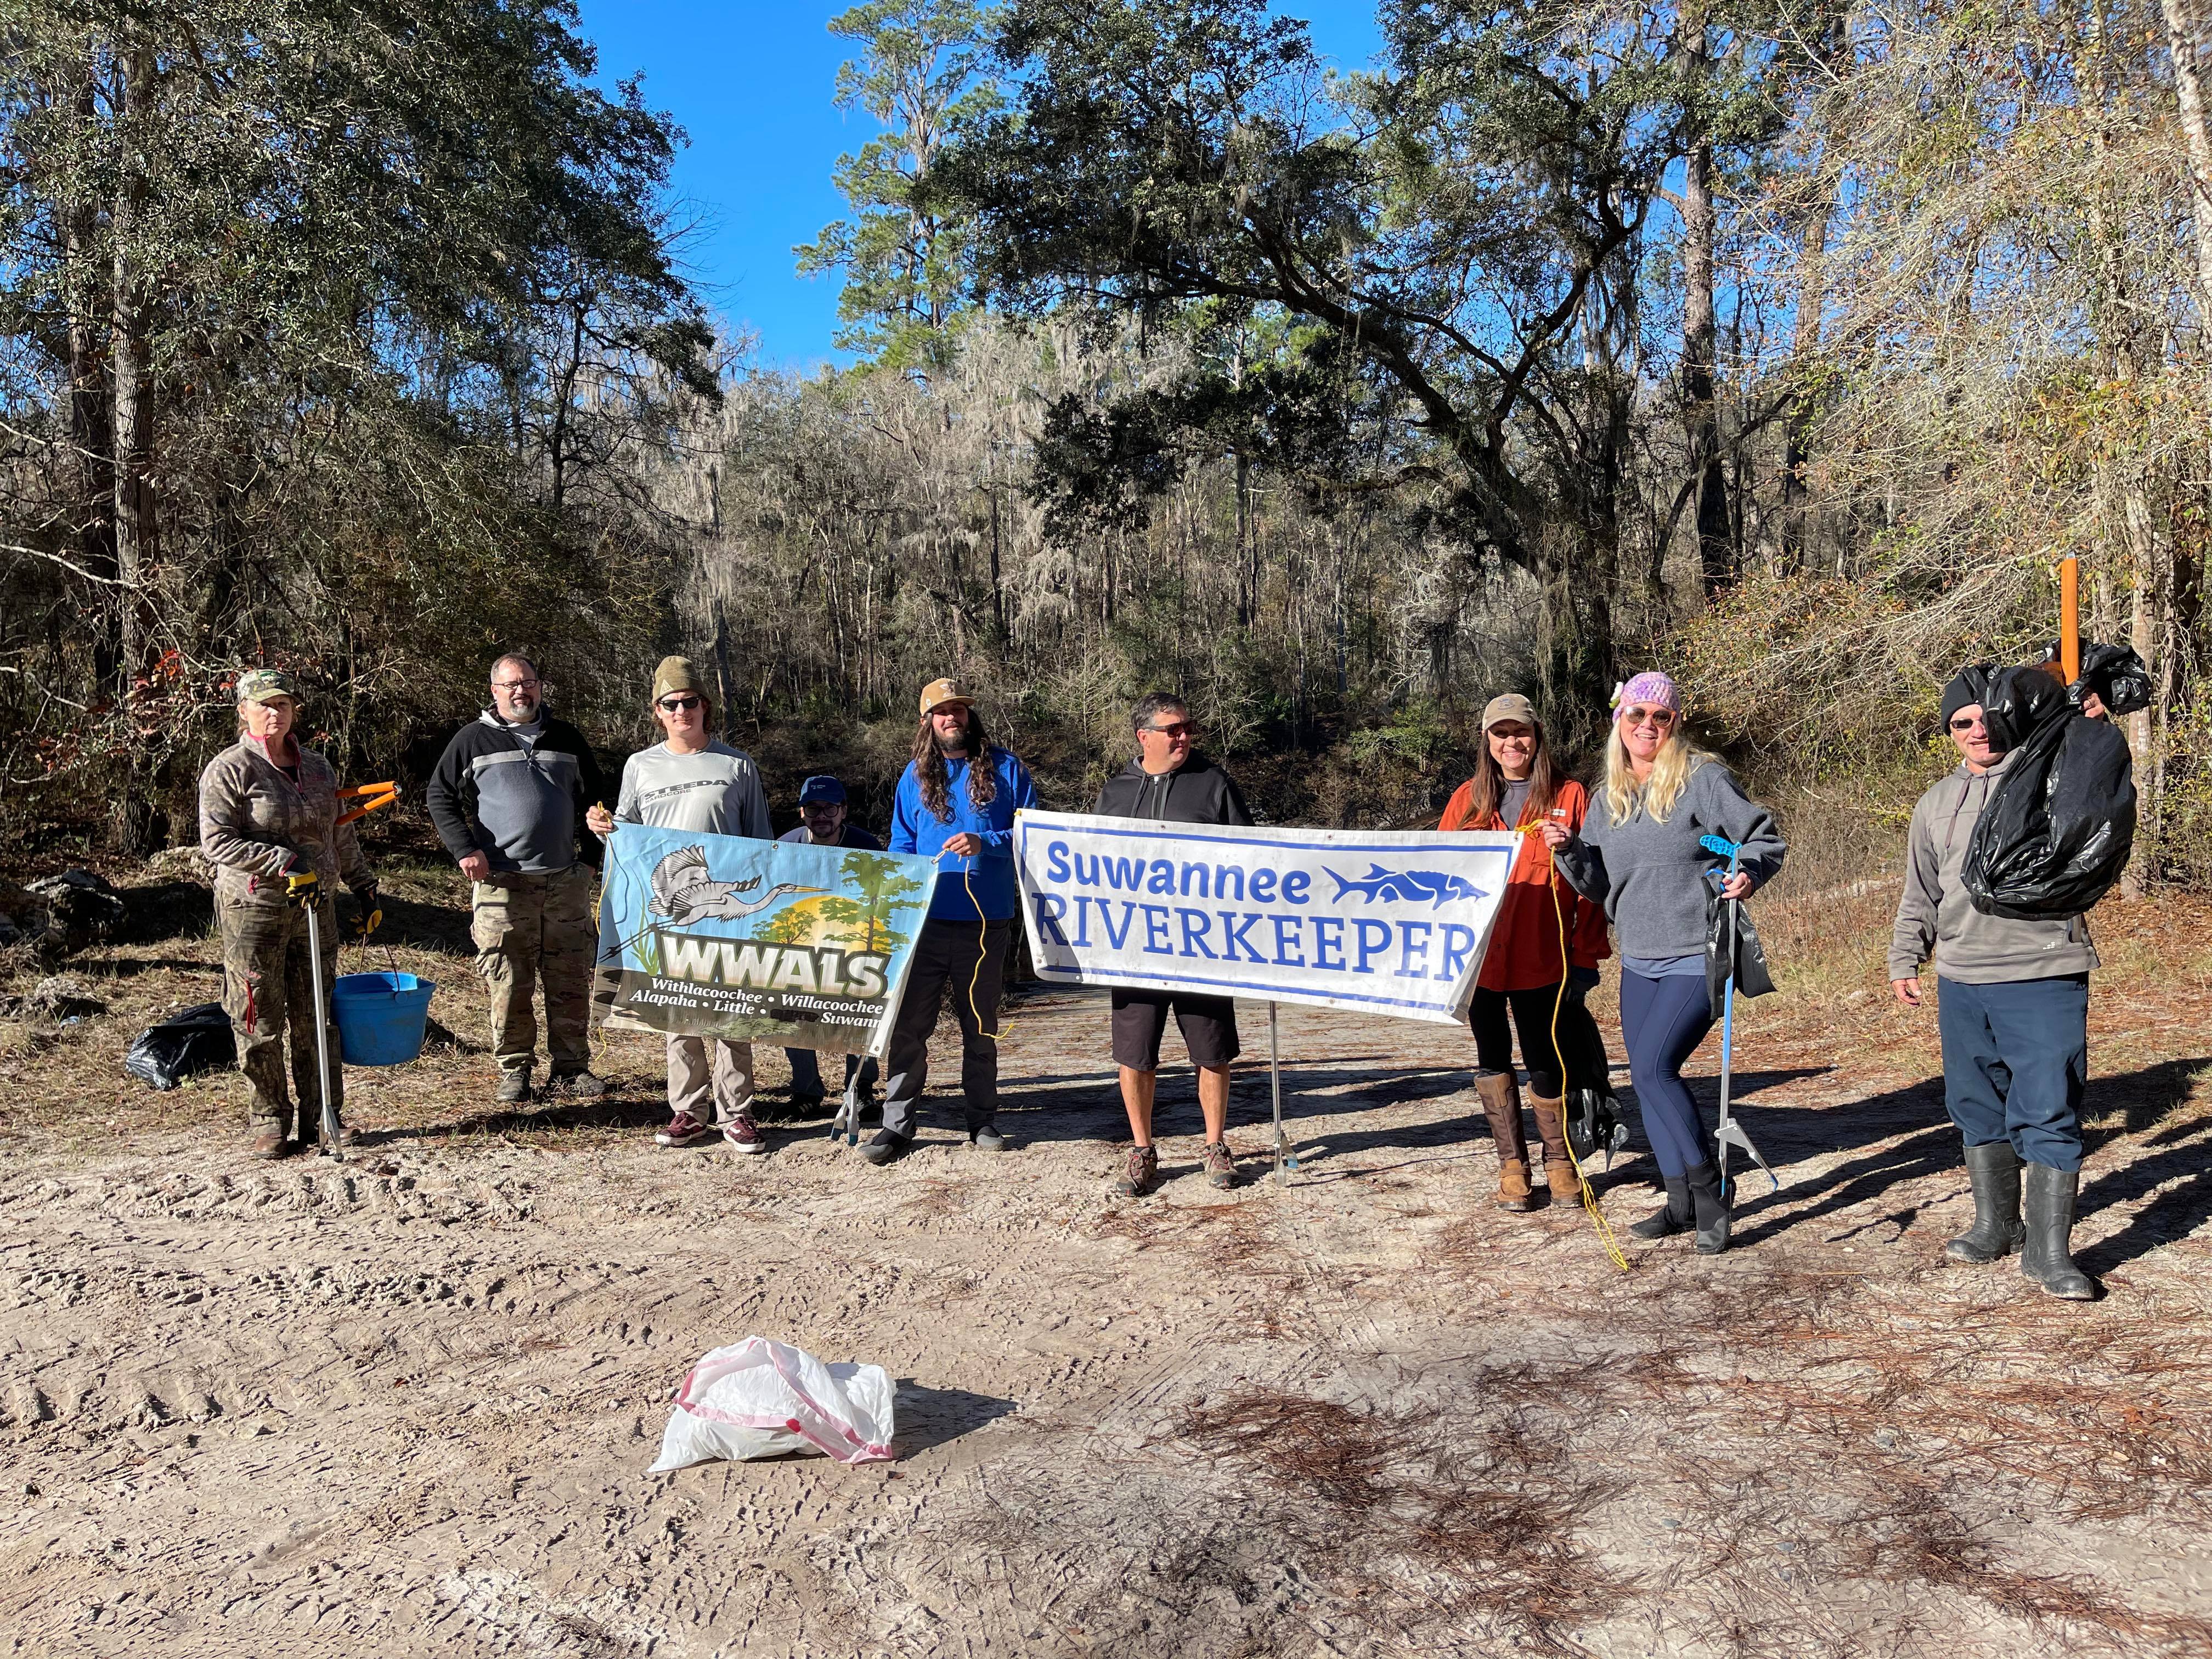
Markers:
point(750, 83)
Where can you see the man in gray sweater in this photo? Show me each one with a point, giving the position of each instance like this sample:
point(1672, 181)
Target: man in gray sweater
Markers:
point(2013, 1010)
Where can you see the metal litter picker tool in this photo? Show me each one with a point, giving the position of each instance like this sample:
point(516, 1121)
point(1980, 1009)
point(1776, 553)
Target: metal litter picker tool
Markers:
point(1730, 1132)
point(331, 1147)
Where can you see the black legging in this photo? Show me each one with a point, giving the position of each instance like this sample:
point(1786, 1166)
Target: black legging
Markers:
point(1581, 1051)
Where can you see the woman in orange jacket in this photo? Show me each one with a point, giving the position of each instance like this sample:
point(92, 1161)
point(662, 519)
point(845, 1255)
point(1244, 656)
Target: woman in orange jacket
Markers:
point(1515, 787)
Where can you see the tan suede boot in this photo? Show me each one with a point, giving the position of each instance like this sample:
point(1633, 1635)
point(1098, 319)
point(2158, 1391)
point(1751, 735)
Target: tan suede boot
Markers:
point(1558, 1167)
point(1501, 1100)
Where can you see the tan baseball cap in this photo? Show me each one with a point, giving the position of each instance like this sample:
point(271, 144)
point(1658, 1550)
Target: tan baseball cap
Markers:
point(937, 693)
point(677, 674)
point(1512, 706)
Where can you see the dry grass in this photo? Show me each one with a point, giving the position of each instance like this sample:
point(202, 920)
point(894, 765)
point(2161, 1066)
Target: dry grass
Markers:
point(1489, 1513)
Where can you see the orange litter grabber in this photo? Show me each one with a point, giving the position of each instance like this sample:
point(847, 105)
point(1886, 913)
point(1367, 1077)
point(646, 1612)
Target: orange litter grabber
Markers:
point(371, 796)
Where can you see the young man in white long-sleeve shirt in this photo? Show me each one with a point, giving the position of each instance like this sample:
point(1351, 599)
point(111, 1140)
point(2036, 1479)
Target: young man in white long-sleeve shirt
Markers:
point(696, 782)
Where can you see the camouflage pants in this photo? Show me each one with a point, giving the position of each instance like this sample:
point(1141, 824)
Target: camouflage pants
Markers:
point(532, 928)
point(266, 986)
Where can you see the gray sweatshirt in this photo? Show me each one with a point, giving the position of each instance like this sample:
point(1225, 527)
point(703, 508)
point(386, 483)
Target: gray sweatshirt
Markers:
point(716, 792)
point(1970, 945)
point(1650, 878)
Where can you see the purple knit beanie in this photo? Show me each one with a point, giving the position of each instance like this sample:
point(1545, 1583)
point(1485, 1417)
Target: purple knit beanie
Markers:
point(1648, 687)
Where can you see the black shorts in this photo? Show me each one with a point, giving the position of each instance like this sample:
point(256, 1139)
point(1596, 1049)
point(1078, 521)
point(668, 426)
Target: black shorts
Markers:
point(1140, 1019)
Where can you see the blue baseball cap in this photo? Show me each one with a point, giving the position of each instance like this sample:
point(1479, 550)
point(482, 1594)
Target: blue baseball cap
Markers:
point(822, 787)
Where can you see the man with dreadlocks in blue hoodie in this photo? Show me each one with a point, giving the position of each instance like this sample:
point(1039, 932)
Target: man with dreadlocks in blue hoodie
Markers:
point(956, 802)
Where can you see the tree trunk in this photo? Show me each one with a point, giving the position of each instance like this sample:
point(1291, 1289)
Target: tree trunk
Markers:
point(1701, 332)
point(132, 422)
point(2185, 33)
point(84, 295)
point(1700, 352)
point(1812, 295)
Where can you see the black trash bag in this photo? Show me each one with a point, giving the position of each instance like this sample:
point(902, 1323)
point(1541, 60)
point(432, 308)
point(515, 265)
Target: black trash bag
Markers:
point(1594, 1124)
point(1732, 946)
point(2057, 832)
point(2118, 676)
point(2115, 673)
point(197, 1039)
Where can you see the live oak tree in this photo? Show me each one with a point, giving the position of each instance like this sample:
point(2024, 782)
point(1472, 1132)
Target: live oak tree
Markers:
point(1451, 243)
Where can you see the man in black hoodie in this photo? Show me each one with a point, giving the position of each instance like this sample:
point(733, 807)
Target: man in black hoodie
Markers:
point(508, 798)
point(1170, 782)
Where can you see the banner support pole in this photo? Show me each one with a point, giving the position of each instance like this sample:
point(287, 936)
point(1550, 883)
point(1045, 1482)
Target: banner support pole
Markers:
point(1283, 1156)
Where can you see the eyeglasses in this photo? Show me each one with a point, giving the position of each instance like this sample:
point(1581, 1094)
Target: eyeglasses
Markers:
point(1661, 717)
point(686, 703)
point(1177, 729)
point(516, 685)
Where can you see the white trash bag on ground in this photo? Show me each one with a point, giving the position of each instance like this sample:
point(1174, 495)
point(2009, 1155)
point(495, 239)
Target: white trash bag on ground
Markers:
point(762, 1399)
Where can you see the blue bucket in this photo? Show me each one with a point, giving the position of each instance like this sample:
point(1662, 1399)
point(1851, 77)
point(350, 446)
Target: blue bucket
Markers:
point(381, 1017)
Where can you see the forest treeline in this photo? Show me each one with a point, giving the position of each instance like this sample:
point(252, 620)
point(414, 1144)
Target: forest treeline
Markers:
point(1788, 345)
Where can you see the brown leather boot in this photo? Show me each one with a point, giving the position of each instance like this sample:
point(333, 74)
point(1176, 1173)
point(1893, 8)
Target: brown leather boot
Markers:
point(1501, 1100)
point(1559, 1168)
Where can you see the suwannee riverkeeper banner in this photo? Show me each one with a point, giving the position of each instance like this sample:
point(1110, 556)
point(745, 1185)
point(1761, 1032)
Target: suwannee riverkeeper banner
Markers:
point(1387, 922)
point(723, 936)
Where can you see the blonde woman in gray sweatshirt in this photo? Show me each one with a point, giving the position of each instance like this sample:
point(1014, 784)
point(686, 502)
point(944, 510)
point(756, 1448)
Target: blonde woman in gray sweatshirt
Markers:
point(1639, 856)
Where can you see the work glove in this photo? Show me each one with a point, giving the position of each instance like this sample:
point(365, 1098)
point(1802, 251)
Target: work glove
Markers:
point(367, 918)
point(302, 889)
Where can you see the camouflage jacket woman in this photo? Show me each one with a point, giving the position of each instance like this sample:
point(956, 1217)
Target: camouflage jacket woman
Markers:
point(256, 824)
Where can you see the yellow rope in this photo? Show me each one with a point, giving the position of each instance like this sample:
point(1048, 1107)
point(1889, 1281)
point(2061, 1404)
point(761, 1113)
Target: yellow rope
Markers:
point(1589, 1193)
point(982, 948)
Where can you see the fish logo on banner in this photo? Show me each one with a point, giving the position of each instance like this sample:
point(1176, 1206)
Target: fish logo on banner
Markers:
point(804, 947)
point(1431, 887)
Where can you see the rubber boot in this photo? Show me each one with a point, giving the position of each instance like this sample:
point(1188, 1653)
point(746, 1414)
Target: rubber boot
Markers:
point(2046, 1255)
point(1558, 1167)
point(1501, 1099)
point(1711, 1205)
point(1671, 1218)
point(1993, 1169)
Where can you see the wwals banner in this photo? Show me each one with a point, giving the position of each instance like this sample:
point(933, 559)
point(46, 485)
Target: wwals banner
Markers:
point(757, 941)
point(1389, 922)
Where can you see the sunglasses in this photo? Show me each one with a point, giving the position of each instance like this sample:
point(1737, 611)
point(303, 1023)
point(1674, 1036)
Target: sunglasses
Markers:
point(1640, 716)
point(686, 703)
point(1966, 723)
point(1179, 729)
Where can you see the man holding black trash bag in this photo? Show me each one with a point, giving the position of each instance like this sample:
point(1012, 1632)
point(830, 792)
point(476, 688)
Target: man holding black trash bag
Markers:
point(2004, 856)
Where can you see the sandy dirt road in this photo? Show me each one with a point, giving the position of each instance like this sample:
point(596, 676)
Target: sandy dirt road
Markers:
point(405, 1406)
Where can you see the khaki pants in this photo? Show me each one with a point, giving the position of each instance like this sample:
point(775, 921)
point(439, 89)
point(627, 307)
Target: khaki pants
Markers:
point(705, 1074)
point(266, 986)
point(528, 927)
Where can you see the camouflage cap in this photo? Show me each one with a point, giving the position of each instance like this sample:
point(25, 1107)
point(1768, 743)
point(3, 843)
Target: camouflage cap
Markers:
point(266, 685)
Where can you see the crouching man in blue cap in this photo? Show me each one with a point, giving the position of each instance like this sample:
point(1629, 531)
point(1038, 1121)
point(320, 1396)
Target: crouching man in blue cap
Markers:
point(823, 823)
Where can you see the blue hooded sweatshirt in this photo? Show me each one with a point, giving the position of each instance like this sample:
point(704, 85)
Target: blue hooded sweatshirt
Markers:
point(915, 829)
